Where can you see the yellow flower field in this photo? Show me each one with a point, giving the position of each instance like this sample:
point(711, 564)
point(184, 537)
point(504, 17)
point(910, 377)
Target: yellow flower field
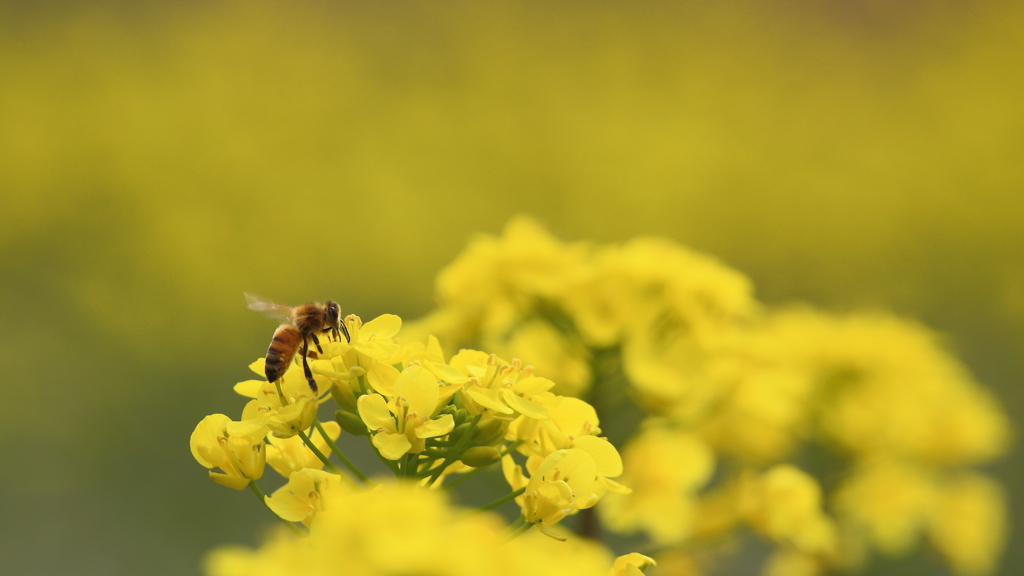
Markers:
point(755, 270)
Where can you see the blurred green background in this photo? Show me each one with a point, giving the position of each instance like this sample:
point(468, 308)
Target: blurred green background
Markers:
point(157, 161)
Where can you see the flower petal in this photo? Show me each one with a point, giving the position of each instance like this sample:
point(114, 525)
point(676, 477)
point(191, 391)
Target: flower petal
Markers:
point(446, 373)
point(385, 326)
point(436, 427)
point(231, 481)
point(433, 351)
point(532, 385)
point(391, 445)
point(249, 388)
point(204, 444)
point(382, 377)
point(373, 409)
point(488, 399)
point(419, 388)
point(259, 367)
point(524, 406)
point(513, 473)
point(606, 457)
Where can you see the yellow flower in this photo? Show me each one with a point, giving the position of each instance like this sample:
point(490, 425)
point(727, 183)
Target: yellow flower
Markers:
point(553, 355)
point(888, 387)
point(401, 425)
point(288, 420)
point(237, 448)
point(672, 377)
point(665, 468)
point(306, 494)
point(888, 503)
point(787, 508)
point(563, 483)
point(287, 455)
point(789, 562)
point(293, 384)
point(401, 529)
point(376, 338)
point(497, 281)
point(627, 286)
point(968, 524)
point(631, 564)
point(296, 411)
point(497, 388)
point(372, 353)
point(568, 418)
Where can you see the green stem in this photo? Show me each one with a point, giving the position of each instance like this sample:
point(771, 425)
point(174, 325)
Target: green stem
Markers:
point(259, 494)
point(334, 447)
point(403, 466)
point(505, 451)
point(309, 444)
point(502, 500)
point(456, 451)
point(516, 523)
point(520, 531)
point(426, 465)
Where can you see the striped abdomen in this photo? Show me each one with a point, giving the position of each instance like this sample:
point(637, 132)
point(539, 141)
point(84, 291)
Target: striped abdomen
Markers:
point(286, 342)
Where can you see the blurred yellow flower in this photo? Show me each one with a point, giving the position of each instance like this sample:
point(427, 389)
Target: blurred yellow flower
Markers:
point(786, 506)
point(968, 524)
point(631, 564)
point(497, 281)
point(888, 503)
point(665, 468)
point(654, 282)
point(790, 562)
point(400, 529)
point(682, 336)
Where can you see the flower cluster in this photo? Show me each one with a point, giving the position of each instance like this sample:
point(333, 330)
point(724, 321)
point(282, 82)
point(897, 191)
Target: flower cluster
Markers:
point(434, 421)
point(734, 397)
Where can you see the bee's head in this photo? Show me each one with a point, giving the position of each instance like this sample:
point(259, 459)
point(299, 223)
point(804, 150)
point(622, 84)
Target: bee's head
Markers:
point(333, 313)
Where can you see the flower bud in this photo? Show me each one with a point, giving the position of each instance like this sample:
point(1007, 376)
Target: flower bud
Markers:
point(458, 431)
point(479, 456)
point(351, 423)
point(342, 393)
point(488, 431)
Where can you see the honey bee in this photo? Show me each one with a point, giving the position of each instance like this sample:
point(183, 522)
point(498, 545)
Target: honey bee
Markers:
point(303, 323)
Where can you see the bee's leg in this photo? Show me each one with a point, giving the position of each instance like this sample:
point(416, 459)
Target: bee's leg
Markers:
point(305, 367)
point(344, 330)
point(317, 342)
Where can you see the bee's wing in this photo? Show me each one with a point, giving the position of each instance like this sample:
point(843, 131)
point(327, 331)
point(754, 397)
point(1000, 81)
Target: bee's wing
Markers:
point(269, 309)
